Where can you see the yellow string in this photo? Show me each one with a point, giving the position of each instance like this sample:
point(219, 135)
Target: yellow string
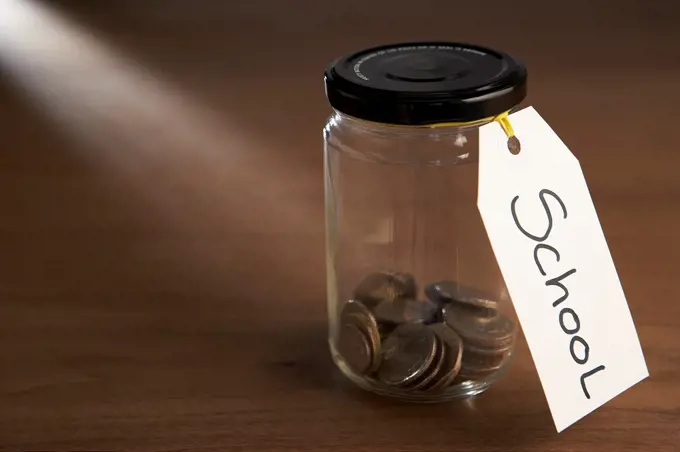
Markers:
point(501, 119)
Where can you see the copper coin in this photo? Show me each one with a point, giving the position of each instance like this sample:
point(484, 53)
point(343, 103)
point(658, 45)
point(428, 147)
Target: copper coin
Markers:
point(385, 286)
point(355, 307)
point(406, 311)
point(434, 369)
point(453, 352)
point(355, 348)
point(481, 360)
point(481, 363)
point(366, 326)
point(354, 312)
point(498, 349)
point(495, 332)
point(407, 353)
point(444, 292)
point(406, 283)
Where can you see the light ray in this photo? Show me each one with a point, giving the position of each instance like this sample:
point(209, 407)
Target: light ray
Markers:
point(136, 128)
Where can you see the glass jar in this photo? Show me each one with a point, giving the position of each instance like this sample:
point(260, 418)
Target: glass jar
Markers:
point(417, 306)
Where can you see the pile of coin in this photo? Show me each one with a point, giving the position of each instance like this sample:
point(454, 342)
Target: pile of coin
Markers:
point(391, 336)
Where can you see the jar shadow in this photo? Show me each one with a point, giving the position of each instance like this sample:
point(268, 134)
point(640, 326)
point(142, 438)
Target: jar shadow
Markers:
point(506, 417)
point(489, 421)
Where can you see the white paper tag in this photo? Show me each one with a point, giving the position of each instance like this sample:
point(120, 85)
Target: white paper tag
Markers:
point(553, 255)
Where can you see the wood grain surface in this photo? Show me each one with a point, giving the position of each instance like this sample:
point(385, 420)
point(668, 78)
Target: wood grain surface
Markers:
point(162, 277)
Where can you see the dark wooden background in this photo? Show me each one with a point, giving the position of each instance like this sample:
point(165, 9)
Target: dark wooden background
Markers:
point(161, 240)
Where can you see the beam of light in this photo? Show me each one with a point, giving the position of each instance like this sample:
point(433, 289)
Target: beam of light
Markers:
point(149, 136)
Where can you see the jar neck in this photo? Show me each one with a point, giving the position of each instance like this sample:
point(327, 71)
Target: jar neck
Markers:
point(344, 120)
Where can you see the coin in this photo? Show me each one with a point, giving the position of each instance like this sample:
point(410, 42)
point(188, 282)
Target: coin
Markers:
point(481, 360)
point(381, 286)
point(496, 351)
point(453, 352)
point(444, 292)
point(434, 369)
point(355, 307)
point(496, 332)
point(355, 313)
point(366, 326)
point(355, 348)
point(470, 373)
point(406, 311)
point(406, 283)
point(421, 311)
point(407, 353)
point(480, 363)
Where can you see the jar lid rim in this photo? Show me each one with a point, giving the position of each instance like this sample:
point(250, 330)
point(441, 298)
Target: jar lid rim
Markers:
point(424, 83)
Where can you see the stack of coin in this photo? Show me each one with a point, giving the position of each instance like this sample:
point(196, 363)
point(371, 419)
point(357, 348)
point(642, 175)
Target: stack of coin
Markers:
point(420, 358)
point(389, 335)
point(452, 351)
point(359, 339)
point(487, 334)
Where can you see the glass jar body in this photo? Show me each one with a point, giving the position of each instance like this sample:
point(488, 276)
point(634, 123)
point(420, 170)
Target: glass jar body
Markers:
point(417, 307)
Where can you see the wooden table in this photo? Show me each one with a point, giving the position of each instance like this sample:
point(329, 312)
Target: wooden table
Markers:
point(161, 242)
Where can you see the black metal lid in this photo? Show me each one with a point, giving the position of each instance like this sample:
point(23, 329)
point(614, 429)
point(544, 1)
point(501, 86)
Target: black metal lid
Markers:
point(425, 83)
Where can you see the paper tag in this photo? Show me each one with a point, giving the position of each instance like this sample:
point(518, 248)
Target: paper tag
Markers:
point(553, 255)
